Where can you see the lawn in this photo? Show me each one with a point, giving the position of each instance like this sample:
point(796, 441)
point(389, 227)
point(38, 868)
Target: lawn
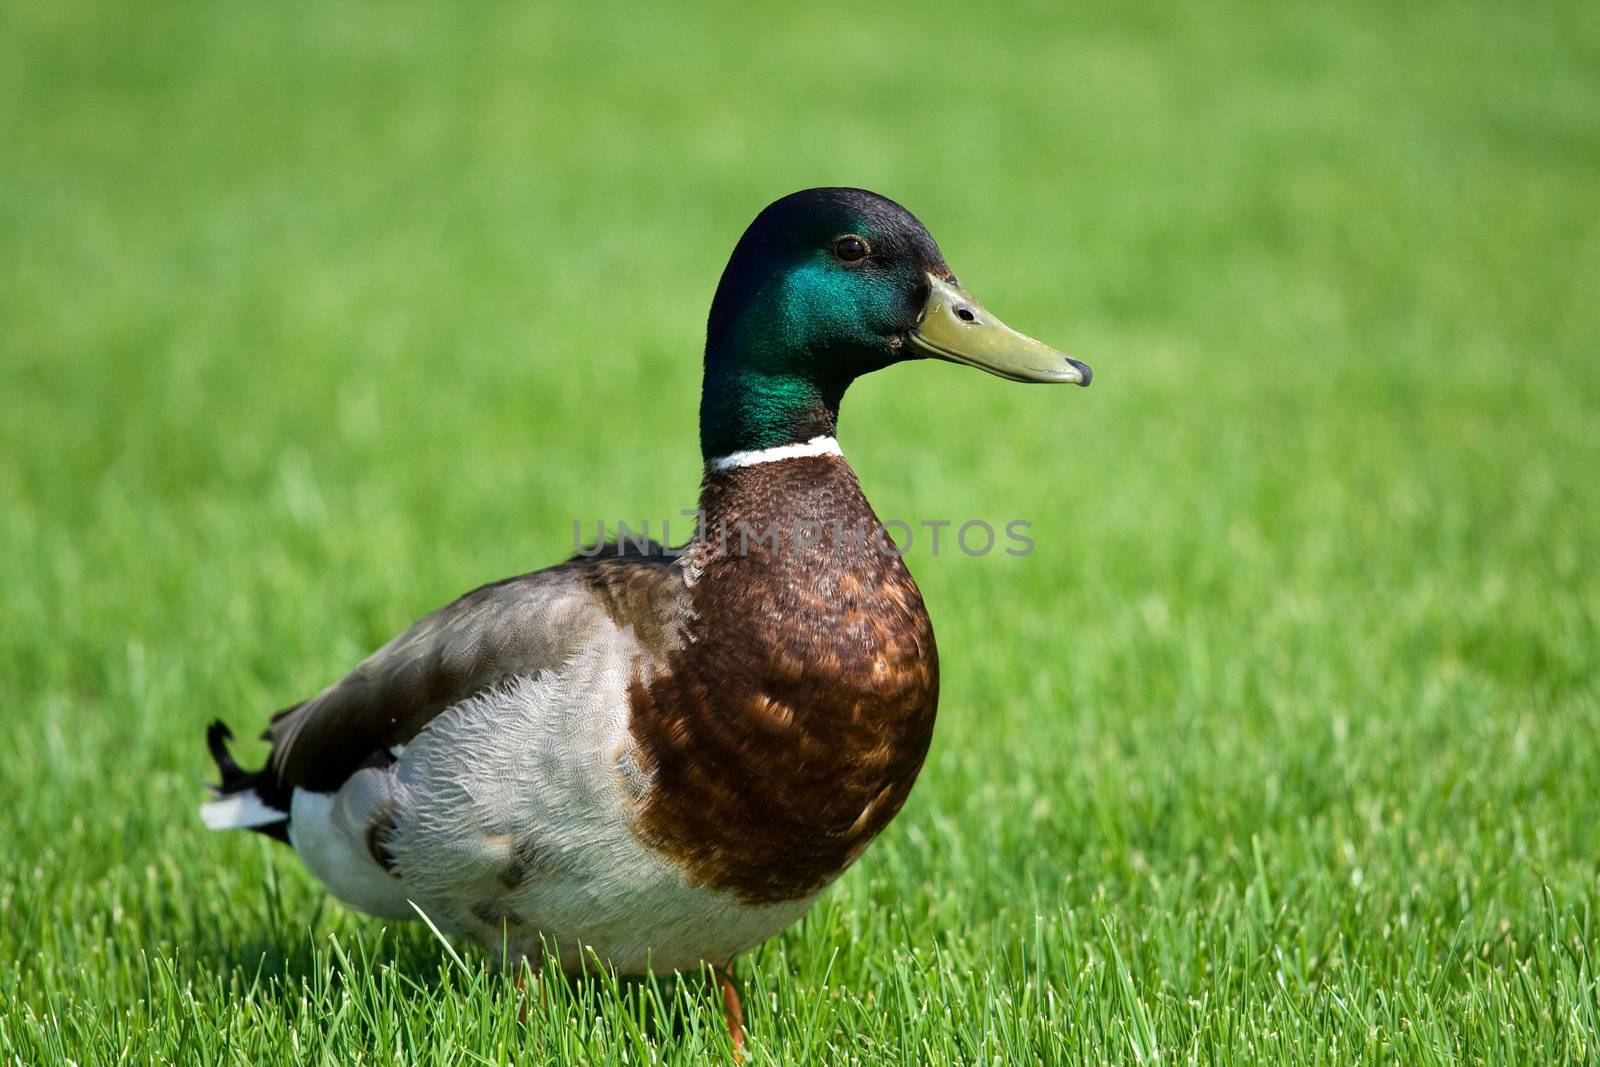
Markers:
point(1282, 746)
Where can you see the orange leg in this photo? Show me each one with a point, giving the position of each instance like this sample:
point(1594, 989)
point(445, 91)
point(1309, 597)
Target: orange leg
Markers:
point(732, 1011)
point(525, 978)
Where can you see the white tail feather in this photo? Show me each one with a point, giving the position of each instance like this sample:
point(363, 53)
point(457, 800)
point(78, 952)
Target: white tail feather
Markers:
point(239, 811)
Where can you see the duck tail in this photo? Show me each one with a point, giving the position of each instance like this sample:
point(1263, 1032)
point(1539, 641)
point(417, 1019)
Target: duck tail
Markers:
point(243, 800)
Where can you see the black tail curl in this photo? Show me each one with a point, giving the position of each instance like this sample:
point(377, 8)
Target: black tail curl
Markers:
point(235, 779)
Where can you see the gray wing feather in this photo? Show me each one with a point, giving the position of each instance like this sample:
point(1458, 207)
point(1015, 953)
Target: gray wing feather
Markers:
point(520, 626)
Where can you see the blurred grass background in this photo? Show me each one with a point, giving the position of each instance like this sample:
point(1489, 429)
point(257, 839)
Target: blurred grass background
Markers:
point(1281, 746)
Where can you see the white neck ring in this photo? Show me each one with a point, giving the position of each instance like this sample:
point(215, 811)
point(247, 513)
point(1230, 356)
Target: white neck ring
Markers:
point(817, 446)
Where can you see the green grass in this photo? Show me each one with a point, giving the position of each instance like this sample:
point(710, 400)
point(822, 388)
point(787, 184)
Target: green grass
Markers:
point(1282, 746)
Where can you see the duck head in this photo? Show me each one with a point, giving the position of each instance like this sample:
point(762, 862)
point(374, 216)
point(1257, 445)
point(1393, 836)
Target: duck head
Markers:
point(827, 285)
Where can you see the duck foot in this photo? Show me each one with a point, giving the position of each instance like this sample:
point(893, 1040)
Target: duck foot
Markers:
point(732, 1010)
point(525, 978)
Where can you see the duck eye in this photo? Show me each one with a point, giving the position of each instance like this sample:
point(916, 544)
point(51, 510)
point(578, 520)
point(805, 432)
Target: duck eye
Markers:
point(850, 249)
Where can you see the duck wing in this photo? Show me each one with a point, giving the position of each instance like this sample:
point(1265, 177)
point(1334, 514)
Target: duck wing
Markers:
point(518, 627)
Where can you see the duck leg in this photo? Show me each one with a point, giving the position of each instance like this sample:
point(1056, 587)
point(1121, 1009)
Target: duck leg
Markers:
point(520, 984)
point(732, 1010)
point(526, 984)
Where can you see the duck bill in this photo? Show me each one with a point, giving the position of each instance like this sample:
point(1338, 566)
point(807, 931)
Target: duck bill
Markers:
point(955, 327)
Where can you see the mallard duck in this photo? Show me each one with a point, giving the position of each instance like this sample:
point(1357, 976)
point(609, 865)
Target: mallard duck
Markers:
point(658, 758)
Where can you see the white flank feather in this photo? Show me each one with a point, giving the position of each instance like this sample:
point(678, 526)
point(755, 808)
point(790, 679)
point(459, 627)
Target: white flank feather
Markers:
point(239, 812)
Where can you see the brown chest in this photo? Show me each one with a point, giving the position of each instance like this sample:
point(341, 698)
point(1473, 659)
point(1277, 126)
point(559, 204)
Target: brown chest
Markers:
point(789, 726)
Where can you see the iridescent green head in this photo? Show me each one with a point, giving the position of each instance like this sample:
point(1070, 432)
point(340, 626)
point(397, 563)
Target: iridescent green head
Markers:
point(827, 285)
